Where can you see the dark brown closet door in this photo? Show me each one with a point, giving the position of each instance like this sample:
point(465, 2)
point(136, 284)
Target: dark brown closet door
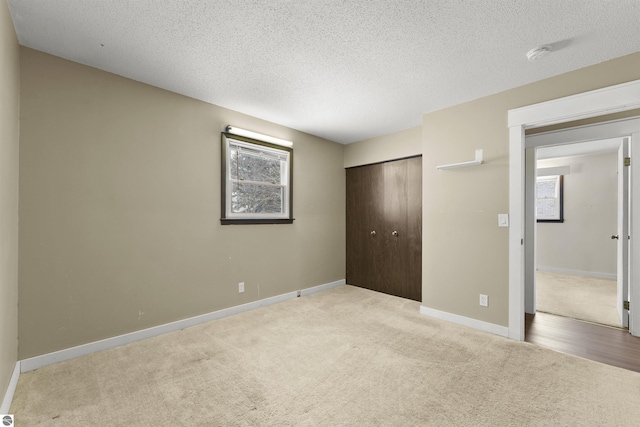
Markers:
point(365, 186)
point(385, 198)
point(403, 228)
point(413, 287)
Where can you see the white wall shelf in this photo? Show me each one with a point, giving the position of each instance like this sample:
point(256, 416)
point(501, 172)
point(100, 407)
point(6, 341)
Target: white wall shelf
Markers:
point(478, 161)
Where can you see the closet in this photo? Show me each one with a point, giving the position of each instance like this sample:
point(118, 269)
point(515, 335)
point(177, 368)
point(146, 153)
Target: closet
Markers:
point(384, 227)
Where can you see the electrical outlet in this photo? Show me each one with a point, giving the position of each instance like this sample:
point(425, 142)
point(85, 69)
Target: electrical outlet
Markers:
point(240, 287)
point(484, 300)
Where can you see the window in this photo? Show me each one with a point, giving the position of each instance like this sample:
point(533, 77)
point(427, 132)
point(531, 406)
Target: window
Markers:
point(549, 199)
point(256, 182)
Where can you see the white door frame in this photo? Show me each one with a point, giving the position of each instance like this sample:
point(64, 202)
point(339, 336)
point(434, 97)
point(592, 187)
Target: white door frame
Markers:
point(595, 103)
point(618, 131)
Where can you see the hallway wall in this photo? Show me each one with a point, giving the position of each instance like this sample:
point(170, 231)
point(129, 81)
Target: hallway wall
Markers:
point(582, 244)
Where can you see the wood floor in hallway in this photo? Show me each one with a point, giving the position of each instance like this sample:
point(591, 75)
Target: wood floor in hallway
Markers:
point(603, 344)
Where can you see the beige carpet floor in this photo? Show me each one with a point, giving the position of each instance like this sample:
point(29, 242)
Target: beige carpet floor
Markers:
point(342, 357)
point(578, 297)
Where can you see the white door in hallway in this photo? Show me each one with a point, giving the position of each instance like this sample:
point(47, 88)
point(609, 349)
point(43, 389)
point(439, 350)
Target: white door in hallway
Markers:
point(634, 228)
point(623, 232)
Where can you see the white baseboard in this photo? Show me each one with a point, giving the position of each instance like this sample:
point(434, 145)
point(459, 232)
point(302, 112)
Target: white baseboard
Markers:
point(466, 321)
point(610, 276)
point(8, 396)
point(314, 289)
point(82, 350)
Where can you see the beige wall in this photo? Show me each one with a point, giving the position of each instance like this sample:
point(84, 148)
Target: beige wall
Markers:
point(387, 147)
point(120, 210)
point(582, 242)
point(464, 251)
point(9, 136)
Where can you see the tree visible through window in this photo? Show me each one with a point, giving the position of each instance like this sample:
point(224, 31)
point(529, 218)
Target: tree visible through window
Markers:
point(256, 181)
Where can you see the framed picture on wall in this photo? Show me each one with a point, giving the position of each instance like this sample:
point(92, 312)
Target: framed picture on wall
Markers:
point(549, 195)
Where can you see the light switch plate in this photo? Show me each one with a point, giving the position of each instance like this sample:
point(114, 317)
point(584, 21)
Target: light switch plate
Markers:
point(503, 220)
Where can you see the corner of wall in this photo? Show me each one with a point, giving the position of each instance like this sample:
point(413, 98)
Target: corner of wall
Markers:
point(9, 146)
point(5, 406)
point(398, 145)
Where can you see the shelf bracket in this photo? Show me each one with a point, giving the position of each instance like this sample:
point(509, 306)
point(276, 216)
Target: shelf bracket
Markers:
point(478, 161)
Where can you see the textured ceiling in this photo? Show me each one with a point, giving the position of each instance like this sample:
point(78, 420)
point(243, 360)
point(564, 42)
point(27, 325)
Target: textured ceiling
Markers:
point(342, 70)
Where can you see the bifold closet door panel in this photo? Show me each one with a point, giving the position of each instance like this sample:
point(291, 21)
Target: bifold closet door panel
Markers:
point(365, 189)
point(413, 285)
point(395, 202)
point(403, 225)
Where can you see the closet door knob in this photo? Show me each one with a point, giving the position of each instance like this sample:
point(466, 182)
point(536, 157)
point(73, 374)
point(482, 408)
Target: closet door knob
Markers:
point(373, 233)
point(394, 233)
point(614, 237)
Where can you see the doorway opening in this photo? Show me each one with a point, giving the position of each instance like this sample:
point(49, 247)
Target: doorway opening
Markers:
point(597, 103)
point(575, 258)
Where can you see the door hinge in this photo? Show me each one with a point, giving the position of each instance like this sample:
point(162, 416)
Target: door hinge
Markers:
point(625, 305)
point(627, 161)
